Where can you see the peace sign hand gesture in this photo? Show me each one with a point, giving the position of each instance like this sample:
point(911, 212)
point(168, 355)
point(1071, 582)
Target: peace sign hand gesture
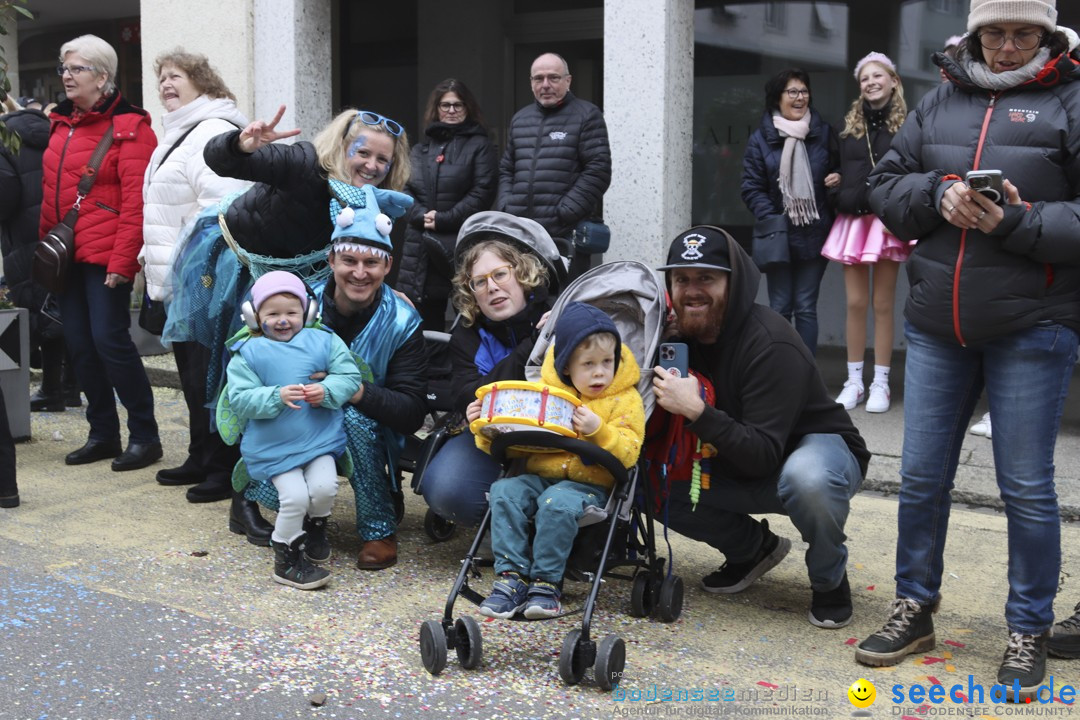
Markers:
point(260, 133)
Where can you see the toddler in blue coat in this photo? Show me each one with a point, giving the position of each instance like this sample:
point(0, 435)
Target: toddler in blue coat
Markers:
point(294, 427)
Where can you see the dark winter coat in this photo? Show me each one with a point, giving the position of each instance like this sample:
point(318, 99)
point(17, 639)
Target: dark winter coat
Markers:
point(556, 166)
point(20, 207)
point(518, 334)
point(287, 211)
point(109, 228)
point(769, 392)
point(454, 173)
point(852, 197)
point(970, 286)
point(761, 180)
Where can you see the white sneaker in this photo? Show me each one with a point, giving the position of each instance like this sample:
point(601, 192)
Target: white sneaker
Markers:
point(878, 402)
point(852, 394)
point(982, 427)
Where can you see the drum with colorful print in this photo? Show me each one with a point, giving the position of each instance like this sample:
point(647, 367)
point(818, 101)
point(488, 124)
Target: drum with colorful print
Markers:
point(518, 405)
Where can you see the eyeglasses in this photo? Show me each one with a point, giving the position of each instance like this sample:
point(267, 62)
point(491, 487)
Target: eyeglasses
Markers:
point(552, 79)
point(451, 107)
point(995, 40)
point(374, 119)
point(75, 70)
point(501, 275)
point(796, 94)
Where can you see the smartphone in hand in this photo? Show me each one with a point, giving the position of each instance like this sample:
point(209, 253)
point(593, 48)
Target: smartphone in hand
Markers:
point(675, 358)
point(987, 183)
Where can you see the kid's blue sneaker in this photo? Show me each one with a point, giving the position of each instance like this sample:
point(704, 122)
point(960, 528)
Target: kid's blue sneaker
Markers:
point(508, 596)
point(543, 601)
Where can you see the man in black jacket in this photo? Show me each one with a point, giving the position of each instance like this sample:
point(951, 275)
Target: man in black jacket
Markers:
point(557, 163)
point(755, 417)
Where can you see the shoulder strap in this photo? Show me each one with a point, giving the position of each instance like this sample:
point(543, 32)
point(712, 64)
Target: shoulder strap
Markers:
point(183, 137)
point(87, 180)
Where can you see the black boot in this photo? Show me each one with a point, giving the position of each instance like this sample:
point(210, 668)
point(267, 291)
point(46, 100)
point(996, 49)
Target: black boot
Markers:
point(212, 489)
point(292, 568)
point(317, 547)
point(49, 396)
point(245, 519)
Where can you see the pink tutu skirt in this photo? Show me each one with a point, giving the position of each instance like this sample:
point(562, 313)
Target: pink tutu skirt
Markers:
point(863, 240)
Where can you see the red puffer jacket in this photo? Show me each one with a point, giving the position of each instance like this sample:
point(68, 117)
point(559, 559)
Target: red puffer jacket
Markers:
point(109, 229)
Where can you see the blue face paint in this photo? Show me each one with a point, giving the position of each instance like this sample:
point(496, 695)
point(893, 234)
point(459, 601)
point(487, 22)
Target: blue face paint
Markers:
point(359, 142)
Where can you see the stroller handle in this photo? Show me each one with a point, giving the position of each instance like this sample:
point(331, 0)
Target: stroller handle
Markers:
point(585, 450)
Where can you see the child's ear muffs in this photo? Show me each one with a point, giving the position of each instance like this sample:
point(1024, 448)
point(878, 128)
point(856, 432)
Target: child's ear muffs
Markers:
point(251, 318)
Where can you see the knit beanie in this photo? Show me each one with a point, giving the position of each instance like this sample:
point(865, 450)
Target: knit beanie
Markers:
point(1030, 12)
point(276, 282)
point(575, 323)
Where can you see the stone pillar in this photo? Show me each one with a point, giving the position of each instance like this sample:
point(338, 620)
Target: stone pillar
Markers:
point(269, 52)
point(221, 31)
point(9, 50)
point(648, 105)
point(293, 62)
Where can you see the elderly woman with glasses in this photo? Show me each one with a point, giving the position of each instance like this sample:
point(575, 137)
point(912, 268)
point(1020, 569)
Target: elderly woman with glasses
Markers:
point(454, 175)
point(994, 306)
point(508, 270)
point(790, 161)
point(96, 301)
point(284, 221)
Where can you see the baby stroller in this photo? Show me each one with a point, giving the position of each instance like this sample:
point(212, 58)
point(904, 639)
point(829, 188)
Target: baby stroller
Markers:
point(618, 537)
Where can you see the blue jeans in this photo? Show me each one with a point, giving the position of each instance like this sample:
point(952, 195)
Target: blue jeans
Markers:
point(457, 478)
point(814, 488)
point(1026, 376)
point(793, 292)
point(555, 506)
point(97, 330)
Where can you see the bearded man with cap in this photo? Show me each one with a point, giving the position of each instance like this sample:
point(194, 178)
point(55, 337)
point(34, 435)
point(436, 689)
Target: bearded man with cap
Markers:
point(994, 306)
point(383, 331)
point(751, 430)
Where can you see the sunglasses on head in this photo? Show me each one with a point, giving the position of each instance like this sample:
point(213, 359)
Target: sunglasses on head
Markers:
point(374, 119)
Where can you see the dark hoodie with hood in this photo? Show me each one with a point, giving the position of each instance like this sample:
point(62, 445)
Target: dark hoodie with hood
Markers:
point(769, 393)
point(968, 286)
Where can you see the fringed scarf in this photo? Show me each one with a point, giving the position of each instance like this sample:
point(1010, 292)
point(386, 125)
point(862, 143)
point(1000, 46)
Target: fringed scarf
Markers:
point(796, 177)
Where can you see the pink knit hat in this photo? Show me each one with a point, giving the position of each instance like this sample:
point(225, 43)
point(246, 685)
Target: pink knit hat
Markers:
point(879, 58)
point(276, 282)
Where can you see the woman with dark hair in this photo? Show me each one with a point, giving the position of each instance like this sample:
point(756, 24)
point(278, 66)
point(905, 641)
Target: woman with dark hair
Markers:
point(454, 175)
point(95, 304)
point(994, 305)
point(790, 161)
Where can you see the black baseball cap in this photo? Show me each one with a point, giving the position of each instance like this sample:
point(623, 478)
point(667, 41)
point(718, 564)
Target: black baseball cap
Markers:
point(702, 246)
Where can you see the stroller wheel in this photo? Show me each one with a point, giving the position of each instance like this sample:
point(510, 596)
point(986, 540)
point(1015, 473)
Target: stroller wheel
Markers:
point(610, 661)
point(669, 605)
point(469, 643)
point(433, 646)
point(438, 528)
point(642, 597)
point(571, 659)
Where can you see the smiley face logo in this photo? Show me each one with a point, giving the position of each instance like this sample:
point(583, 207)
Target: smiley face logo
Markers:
point(862, 693)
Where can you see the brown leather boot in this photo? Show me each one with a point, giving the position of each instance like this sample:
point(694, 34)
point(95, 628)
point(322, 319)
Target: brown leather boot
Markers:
point(378, 554)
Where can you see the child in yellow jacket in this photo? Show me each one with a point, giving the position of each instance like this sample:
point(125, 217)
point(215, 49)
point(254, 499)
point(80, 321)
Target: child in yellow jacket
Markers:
point(589, 359)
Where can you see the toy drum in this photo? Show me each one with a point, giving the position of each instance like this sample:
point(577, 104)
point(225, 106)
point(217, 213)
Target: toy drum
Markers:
point(518, 405)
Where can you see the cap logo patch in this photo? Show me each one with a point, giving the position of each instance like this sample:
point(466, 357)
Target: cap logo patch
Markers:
point(693, 243)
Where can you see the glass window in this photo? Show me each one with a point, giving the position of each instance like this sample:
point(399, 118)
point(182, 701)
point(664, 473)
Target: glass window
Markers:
point(733, 58)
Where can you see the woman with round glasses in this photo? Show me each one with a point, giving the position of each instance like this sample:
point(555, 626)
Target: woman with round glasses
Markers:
point(95, 304)
point(507, 275)
point(994, 306)
point(790, 161)
point(454, 175)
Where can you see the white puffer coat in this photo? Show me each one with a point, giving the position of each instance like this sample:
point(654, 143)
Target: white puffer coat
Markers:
point(178, 190)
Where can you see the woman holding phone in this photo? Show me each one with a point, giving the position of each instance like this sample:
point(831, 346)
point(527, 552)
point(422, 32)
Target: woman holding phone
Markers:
point(993, 305)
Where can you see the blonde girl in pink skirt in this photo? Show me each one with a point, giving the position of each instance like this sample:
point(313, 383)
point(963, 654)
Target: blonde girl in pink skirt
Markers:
point(858, 239)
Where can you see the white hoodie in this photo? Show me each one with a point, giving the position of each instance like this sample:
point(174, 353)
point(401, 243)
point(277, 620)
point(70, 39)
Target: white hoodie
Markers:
point(182, 187)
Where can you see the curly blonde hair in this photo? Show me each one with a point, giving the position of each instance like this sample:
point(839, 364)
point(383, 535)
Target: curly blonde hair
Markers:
point(199, 71)
point(528, 270)
point(333, 141)
point(855, 121)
